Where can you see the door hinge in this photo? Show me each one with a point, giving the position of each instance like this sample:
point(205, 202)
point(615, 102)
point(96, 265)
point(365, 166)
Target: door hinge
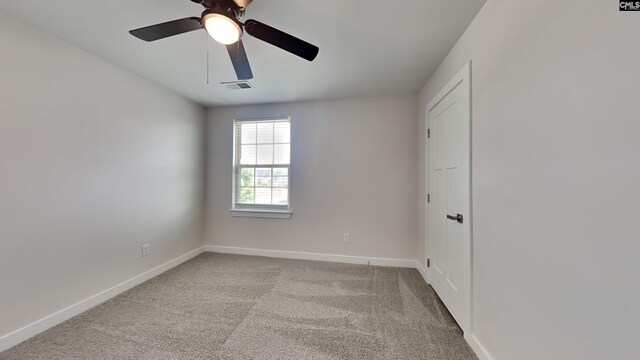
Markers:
point(428, 133)
point(428, 198)
point(428, 262)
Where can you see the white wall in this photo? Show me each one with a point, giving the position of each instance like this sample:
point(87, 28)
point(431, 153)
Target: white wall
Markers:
point(353, 170)
point(555, 177)
point(94, 162)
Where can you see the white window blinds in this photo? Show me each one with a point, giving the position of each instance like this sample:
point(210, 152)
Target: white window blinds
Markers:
point(261, 164)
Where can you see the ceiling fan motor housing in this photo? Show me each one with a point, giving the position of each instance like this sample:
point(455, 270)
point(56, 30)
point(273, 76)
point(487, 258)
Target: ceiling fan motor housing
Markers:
point(228, 4)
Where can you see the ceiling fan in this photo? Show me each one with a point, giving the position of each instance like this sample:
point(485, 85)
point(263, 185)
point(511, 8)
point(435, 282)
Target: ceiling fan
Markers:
point(221, 19)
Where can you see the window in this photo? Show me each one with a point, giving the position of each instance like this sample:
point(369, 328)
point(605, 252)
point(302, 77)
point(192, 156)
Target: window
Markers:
point(261, 167)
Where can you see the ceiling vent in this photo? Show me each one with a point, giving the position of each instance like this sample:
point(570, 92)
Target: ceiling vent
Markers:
point(237, 85)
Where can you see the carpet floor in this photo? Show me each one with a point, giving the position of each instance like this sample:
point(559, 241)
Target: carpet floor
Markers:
point(219, 306)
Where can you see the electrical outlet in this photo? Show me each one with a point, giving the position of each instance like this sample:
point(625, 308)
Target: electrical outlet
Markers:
point(347, 237)
point(146, 250)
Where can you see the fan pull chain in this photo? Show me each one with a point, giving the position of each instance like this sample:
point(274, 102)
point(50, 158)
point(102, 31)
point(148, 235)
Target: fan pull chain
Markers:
point(208, 42)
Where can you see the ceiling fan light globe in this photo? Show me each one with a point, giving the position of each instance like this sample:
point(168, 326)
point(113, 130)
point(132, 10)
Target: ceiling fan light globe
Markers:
point(222, 29)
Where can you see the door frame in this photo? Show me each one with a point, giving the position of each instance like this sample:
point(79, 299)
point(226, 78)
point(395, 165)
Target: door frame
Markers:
point(462, 78)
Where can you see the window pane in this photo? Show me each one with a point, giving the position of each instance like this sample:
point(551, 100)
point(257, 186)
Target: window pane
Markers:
point(248, 133)
point(265, 154)
point(281, 154)
point(280, 172)
point(280, 196)
point(265, 133)
point(263, 196)
point(246, 177)
point(282, 132)
point(246, 195)
point(280, 182)
point(248, 154)
point(263, 177)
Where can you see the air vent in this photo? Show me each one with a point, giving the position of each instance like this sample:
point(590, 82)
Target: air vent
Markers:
point(237, 85)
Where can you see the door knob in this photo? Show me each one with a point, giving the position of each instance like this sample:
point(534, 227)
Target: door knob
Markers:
point(457, 218)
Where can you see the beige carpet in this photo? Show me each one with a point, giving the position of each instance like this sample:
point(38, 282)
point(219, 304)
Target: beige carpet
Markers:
point(242, 307)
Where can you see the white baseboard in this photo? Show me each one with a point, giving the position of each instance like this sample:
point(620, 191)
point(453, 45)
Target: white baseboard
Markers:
point(312, 256)
point(14, 338)
point(478, 348)
point(422, 271)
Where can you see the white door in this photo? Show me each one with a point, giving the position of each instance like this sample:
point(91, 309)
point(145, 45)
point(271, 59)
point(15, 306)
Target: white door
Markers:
point(448, 226)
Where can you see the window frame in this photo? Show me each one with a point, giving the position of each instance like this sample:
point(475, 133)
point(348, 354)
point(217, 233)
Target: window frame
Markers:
point(259, 210)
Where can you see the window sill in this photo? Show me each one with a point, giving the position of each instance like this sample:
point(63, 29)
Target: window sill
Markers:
point(271, 214)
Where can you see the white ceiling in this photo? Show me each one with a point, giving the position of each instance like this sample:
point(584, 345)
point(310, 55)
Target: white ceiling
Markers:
point(367, 47)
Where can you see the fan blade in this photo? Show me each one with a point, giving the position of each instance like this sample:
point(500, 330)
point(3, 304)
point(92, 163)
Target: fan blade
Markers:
point(281, 39)
point(243, 3)
point(239, 60)
point(170, 28)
